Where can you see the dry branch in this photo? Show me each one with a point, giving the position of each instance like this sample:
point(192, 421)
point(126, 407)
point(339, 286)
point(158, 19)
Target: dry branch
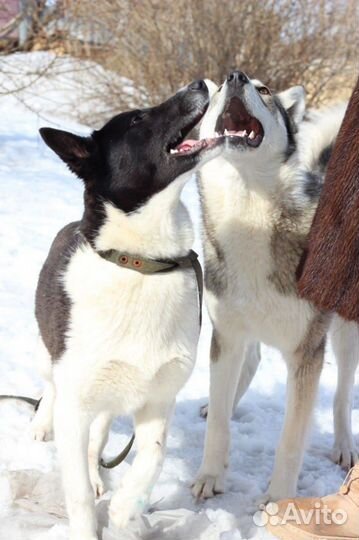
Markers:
point(160, 45)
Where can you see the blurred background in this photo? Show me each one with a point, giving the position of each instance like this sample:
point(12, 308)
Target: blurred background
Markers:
point(117, 54)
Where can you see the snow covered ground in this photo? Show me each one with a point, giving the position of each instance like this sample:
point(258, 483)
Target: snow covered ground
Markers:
point(38, 196)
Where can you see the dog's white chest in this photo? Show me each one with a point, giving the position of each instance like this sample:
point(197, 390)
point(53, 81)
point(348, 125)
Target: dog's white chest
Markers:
point(125, 327)
point(244, 230)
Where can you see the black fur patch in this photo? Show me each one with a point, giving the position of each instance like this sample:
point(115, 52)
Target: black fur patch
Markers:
point(215, 279)
point(313, 185)
point(93, 217)
point(52, 305)
point(324, 157)
point(290, 127)
point(314, 179)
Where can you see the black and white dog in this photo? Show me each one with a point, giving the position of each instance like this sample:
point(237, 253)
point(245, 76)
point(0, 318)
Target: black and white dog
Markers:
point(258, 200)
point(115, 340)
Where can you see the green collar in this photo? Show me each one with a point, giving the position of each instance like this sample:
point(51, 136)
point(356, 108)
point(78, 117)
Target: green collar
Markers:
point(145, 265)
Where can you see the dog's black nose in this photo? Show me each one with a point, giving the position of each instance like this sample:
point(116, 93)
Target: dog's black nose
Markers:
point(237, 78)
point(198, 85)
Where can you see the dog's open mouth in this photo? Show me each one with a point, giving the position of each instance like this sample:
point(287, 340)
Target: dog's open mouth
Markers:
point(236, 123)
point(179, 146)
point(192, 146)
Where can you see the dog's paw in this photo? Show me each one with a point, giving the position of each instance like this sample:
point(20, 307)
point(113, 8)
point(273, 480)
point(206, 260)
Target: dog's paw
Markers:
point(345, 454)
point(203, 412)
point(206, 486)
point(262, 500)
point(41, 431)
point(120, 517)
point(277, 492)
point(124, 507)
point(96, 482)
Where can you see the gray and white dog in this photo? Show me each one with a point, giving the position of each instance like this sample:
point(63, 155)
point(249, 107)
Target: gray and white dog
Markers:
point(258, 200)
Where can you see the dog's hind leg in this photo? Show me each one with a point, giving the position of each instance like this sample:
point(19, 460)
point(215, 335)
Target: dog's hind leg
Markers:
point(99, 432)
point(227, 357)
point(249, 369)
point(72, 427)
point(42, 423)
point(151, 433)
point(304, 369)
point(345, 341)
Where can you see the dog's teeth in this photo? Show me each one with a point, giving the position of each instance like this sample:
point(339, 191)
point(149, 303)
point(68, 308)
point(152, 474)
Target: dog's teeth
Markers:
point(226, 132)
point(252, 135)
point(173, 151)
point(242, 133)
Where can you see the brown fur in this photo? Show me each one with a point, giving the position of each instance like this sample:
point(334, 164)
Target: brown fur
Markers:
point(330, 272)
point(314, 343)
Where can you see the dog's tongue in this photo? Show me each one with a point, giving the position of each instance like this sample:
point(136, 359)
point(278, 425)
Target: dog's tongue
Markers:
point(186, 145)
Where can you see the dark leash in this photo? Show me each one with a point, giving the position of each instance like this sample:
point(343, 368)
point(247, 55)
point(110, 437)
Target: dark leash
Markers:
point(121, 457)
point(144, 266)
point(34, 402)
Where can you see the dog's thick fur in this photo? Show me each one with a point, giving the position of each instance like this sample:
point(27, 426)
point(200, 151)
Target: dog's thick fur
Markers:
point(115, 341)
point(258, 200)
point(331, 274)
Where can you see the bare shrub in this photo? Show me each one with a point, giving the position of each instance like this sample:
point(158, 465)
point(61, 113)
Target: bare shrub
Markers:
point(25, 23)
point(160, 45)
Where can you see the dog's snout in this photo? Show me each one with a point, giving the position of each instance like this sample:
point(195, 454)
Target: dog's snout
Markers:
point(198, 85)
point(237, 78)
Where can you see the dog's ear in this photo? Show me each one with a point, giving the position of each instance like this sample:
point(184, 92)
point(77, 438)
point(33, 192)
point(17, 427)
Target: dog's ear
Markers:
point(293, 100)
point(72, 149)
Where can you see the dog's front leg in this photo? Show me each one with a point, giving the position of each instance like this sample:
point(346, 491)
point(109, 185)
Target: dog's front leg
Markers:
point(72, 437)
point(345, 342)
point(303, 380)
point(227, 357)
point(99, 432)
point(151, 433)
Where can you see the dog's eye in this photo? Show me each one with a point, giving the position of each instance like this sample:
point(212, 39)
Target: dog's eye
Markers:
point(220, 88)
point(264, 91)
point(137, 119)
